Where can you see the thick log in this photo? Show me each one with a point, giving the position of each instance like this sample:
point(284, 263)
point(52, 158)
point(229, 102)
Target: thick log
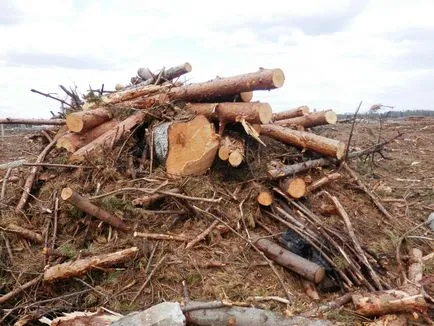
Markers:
point(149, 200)
point(323, 181)
point(24, 233)
point(295, 187)
point(74, 141)
point(310, 120)
point(186, 148)
point(85, 205)
point(109, 137)
point(289, 170)
point(307, 140)
point(34, 122)
point(82, 266)
point(300, 265)
point(241, 97)
point(84, 120)
point(232, 149)
point(293, 113)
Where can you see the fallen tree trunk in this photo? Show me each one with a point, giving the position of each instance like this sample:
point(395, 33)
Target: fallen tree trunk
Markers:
point(149, 200)
point(285, 258)
point(85, 205)
point(293, 113)
point(24, 233)
point(295, 187)
point(186, 148)
point(232, 149)
point(34, 122)
point(289, 170)
point(84, 120)
point(109, 137)
point(310, 120)
point(82, 266)
point(74, 141)
point(307, 140)
point(323, 181)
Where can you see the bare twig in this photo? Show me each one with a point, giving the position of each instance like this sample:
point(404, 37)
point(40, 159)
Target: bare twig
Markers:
point(19, 289)
point(51, 96)
point(202, 235)
point(351, 132)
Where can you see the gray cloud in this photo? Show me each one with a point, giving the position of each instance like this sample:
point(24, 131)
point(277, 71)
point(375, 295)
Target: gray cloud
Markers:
point(56, 60)
point(9, 15)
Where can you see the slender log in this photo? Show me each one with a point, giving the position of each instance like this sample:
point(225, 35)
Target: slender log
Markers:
point(34, 122)
point(82, 266)
point(85, 205)
point(31, 178)
point(149, 200)
point(303, 139)
point(289, 170)
point(310, 120)
point(85, 120)
point(202, 235)
point(310, 289)
point(295, 187)
point(293, 113)
point(168, 74)
point(323, 181)
point(300, 265)
point(109, 137)
point(24, 233)
point(157, 236)
point(73, 141)
point(232, 149)
point(19, 289)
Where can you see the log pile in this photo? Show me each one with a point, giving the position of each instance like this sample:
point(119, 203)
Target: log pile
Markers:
point(154, 175)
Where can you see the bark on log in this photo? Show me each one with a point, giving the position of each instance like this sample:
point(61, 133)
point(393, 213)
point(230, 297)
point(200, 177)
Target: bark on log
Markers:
point(323, 181)
point(24, 233)
point(300, 265)
point(293, 113)
point(148, 200)
point(187, 148)
point(109, 137)
point(82, 266)
point(232, 149)
point(289, 170)
point(310, 120)
point(310, 289)
point(241, 97)
point(74, 141)
point(295, 187)
point(307, 140)
point(85, 205)
point(34, 122)
point(84, 120)
point(169, 74)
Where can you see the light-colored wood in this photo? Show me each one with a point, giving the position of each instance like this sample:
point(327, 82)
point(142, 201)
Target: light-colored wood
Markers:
point(84, 120)
point(82, 266)
point(157, 236)
point(297, 112)
point(265, 198)
point(415, 270)
point(168, 74)
point(232, 149)
point(323, 181)
point(310, 120)
point(310, 289)
point(307, 140)
point(282, 171)
point(295, 187)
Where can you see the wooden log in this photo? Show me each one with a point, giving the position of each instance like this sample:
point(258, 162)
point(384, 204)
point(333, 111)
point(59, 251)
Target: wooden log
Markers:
point(323, 181)
point(415, 270)
point(157, 236)
point(74, 141)
point(241, 97)
point(310, 289)
point(264, 198)
point(109, 137)
point(24, 233)
point(293, 113)
point(85, 205)
point(300, 265)
point(34, 122)
point(232, 149)
point(310, 120)
point(186, 148)
point(295, 187)
point(82, 266)
point(168, 74)
point(289, 170)
point(85, 120)
point(307, 140)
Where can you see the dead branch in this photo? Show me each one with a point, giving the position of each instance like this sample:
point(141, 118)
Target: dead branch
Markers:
point(5, 181)
point(24, 233)
point(19, 289)
point(202, 235)
point(156, 236)
point(290, 170)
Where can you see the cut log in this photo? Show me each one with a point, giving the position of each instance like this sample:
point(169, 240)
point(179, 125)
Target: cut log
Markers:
point(298, 264)
point(323, 181)
point(307, 140)
point(74, 141)
point(232, 149)
point(310, 120)
point(288, 170)
point(34, 122)
point(293, 113)
point(82, 266)
point(241, 97)
point(187, 148)
point(310, 289)
point(85, 205)
point(149, 200)
point(84, 120)
point(24, 233)
point(109, 137)
point(295, 187)
point(264, 198)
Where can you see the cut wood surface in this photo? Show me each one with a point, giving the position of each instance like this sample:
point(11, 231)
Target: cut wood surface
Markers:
point(295, 187)
point(290, 170)
point(82, 266)
point(323, 181)
point(109, 137)
point(232, 149)
point(310, 120)
point(84, 120)
point(264, 198)
point(297, 112)
point(85, 205)
point(74, 141)
point(298, 264)
point(307, 140)
point(34, 122)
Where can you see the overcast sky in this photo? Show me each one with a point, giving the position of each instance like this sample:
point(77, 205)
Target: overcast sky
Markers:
point(334, 53)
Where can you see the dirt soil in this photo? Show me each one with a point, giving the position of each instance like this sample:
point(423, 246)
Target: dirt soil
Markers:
point(403, 179)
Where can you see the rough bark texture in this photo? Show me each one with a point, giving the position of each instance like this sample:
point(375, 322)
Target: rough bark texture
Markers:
point(293, 113)
point(295, 187)
point(84, 120)
point(310, 120)
point(300, 265)
point(85, 205)
point(82, 266)
point(24, 233)
point(241, 97)
point(33, 121)
point(307, 140)
point(289, 170)
point(323, 181)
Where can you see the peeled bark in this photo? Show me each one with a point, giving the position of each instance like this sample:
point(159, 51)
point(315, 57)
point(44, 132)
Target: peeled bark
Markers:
point(74, 141)
point(298, 264)
point(323, 181)
point(84, 120)
point(186, 148)
point(232, 149)
point(85, 205)
point(293, 113)
point(82, 266)
point(310, 120)
point(307, 140)
point(295, 187)
point(288, 170)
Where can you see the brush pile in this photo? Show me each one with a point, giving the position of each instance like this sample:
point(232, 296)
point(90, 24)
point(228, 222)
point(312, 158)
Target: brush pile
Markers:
point(159, 191)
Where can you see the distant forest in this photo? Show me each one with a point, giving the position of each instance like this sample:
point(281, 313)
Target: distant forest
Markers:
point(390, 114)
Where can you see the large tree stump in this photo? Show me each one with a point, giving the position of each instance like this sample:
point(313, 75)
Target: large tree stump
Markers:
point(310, 120)
point(297, 112)
point(84, 120)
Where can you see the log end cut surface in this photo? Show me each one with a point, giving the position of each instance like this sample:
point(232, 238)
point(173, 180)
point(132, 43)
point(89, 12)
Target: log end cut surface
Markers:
point(66, 193)
point(330, 117)
point(265, 198)
point(296, 187)
point(278, 78)
point(74, 123)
